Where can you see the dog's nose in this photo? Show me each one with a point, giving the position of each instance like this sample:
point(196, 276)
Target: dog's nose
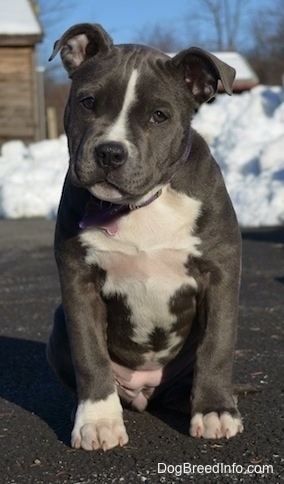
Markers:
point(111, 154)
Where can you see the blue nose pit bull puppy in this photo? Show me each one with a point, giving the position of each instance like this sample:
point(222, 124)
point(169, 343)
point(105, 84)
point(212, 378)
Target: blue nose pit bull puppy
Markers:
point(147, 243)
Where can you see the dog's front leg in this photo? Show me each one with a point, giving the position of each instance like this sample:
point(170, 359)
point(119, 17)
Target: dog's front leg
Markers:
point(98, 420)
point(214, 410)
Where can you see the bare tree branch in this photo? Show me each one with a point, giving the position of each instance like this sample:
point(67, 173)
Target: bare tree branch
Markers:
point(159, 37)
point(222, 20)
point(267, 52)
point(50, 13)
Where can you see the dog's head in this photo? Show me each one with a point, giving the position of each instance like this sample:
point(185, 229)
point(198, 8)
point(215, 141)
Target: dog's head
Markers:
point(129, 110)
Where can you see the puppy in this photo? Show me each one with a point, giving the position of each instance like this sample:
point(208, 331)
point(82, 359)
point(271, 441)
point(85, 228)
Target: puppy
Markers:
point(147, 243)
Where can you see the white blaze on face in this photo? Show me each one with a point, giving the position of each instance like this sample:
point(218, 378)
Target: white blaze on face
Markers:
point(118, 131)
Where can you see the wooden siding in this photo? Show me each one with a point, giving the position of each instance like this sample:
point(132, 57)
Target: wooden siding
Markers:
point(20, 40)
point(18, 94)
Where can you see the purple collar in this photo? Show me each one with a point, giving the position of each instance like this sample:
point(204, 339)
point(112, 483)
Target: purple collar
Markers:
point(105, 215)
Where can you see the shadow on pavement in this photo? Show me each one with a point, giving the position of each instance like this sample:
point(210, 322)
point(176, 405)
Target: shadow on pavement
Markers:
point(269, 234)
point(27, 381)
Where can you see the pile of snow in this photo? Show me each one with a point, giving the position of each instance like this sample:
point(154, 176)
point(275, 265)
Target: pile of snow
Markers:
point(246, 136)
point(31, 178)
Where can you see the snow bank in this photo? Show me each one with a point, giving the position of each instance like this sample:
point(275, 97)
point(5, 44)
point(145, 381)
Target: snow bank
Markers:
point(246, 136)
point(31, 178)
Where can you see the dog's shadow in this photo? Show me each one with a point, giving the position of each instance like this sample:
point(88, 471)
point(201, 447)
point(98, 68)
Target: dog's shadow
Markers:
point(177, 420)
point(27, 381)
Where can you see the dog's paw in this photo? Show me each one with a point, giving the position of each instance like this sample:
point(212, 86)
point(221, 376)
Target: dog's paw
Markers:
point(214, 426)
point(99, 425)
point(103, 434)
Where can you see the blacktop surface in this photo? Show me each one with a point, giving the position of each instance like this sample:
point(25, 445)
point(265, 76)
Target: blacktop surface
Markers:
point(35, 410)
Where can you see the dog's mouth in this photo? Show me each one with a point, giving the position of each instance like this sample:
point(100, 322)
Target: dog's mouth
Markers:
point(107, 192)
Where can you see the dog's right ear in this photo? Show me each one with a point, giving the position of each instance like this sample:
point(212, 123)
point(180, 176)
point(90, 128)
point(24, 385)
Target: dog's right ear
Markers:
point(80, 43)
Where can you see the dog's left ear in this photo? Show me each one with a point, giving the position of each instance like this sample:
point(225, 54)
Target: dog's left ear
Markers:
point(201, 71)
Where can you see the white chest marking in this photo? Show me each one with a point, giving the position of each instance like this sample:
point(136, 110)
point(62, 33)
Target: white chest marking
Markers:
point(145, 261)
point(118, 131)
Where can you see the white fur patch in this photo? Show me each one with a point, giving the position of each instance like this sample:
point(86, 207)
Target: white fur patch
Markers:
point(118, 131)
point(211, 426)
point(99, 425)
point(145, 261)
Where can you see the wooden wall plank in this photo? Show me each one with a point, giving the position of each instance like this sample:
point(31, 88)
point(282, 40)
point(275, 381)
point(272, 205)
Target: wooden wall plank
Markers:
point(19, 116)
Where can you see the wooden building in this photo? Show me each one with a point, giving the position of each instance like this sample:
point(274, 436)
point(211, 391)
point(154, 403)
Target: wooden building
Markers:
point(20, 31)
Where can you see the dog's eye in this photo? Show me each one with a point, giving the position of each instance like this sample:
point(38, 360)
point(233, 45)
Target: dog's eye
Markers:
point(158, 117)
point(88, 102)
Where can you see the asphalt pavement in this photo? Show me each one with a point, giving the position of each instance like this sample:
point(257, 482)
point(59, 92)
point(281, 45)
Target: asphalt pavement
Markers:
point(35, 410)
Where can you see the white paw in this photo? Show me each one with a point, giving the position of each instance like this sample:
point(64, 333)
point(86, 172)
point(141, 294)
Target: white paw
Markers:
point(101, 435)
point(99, 425)
point(212, 426)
